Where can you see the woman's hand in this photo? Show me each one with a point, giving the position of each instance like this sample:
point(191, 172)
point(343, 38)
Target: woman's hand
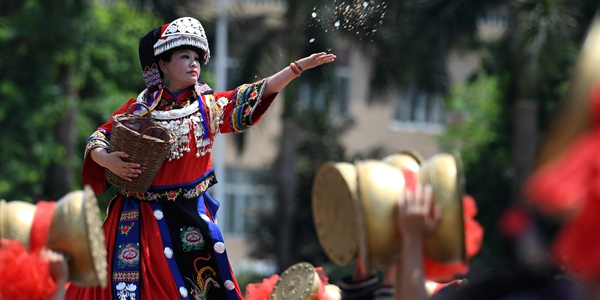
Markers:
point(114, 162)
point(279, 80)
point(315, 60)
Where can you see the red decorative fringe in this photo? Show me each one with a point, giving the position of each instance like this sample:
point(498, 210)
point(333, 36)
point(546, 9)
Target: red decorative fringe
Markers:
point(262, 290)
point(440, 272)
point(23, 275)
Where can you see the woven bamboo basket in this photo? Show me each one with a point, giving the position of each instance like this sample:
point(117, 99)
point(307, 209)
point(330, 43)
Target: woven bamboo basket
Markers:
point(145, 141)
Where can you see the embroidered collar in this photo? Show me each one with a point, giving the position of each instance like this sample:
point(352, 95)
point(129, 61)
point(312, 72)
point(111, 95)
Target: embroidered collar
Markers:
point(170, 101)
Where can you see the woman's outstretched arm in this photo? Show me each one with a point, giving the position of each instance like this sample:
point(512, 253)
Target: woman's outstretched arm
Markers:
point(282, 78)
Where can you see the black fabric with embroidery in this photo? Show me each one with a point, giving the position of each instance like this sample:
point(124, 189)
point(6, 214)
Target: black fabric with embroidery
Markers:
point(202, 279)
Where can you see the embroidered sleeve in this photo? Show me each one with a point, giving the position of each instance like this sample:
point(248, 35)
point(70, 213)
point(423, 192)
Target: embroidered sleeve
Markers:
point(100, 138)
point(242, 103)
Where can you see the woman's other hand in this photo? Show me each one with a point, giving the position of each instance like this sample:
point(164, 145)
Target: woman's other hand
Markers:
point(114, 162)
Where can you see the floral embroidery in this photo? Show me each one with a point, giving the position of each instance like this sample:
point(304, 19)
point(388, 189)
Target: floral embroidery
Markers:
point(192, 239)
point(129, 255)
point(180, 102)
point(126, 228)
point(246, 97)
point(189, 193)
point(184, 193)
point(100, 138)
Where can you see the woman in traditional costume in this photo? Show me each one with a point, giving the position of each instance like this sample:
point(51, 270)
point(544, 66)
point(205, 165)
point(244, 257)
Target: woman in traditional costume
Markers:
point(165, 243)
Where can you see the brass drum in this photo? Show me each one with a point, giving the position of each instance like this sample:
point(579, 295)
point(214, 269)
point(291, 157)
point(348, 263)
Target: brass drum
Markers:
point(75, 230)
point(354, 208)
point(298, 282)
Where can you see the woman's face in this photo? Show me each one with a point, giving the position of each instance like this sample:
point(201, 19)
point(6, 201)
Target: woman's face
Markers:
point(183, 69)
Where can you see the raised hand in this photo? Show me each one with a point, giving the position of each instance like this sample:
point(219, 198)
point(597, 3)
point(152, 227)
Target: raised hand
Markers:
point(414, 215)
point(315, 60)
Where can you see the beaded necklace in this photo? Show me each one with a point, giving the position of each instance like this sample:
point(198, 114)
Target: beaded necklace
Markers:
point(188, 122)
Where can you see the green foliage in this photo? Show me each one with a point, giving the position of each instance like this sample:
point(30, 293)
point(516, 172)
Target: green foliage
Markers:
point(97, 45)
point(480, 134)
point(476, 109)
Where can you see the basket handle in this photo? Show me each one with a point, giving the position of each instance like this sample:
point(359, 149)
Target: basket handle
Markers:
point(142, 104)
point(159, 127)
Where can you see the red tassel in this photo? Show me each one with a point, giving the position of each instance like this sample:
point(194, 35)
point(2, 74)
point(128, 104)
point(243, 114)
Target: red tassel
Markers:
point(262, 290)
point(23, 275)
point(441, 272)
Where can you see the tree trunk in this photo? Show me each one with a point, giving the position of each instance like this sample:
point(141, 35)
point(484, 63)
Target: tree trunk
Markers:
point(287, 180)
point(524, 143)
point(287, 183)
point(60, 174)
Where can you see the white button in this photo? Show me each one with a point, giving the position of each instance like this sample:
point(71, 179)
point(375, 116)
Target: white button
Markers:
point(158, 214)
point(229, 285)
point(168, 252)
point(205, 217)
point(219, 247)
point(183, 291)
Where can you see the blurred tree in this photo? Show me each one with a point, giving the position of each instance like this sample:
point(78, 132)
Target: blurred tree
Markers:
point(538, 42)
point(56, 63)
point(40, 91)
point(482, 135)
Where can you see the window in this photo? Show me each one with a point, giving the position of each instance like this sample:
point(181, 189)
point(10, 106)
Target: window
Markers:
point(341, 105)
point(342, 78)
point(416, 109)
point(244, 198)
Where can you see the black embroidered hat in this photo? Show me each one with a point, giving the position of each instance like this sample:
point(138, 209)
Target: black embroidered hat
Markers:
point(184, 31)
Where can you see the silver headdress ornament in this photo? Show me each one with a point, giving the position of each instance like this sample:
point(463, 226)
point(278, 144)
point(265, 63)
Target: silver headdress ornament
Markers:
point(185, 31)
